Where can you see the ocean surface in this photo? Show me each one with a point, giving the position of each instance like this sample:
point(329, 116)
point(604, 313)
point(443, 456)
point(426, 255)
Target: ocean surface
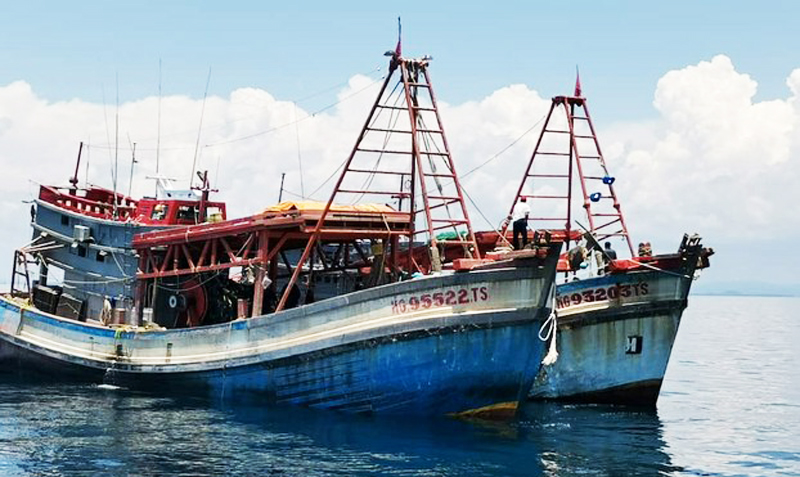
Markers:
point(730, 406)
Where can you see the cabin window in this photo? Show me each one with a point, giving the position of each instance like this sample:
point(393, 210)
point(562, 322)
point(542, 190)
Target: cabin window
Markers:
point(159, 212)
point(188, 212)
point(64, 220)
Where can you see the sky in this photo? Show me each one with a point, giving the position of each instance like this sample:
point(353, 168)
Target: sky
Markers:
point(695, 105)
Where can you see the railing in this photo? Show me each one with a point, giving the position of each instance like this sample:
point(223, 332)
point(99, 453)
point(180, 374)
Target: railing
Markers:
point(97, 203)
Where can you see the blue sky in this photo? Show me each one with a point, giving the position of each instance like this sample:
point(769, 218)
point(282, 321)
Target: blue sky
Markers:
point(75, 49)
point(696, 103)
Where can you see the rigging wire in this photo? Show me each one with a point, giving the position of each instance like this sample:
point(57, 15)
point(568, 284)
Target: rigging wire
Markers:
point(158, 136)
point(480, 212)
point(514, 142)
point(394, 117)
point(309, 116)
point(228, 123)
point(299, 158)
point(341, 165)
point(200, 127)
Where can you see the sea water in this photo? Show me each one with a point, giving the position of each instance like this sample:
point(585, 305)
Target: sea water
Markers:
point(730, 405)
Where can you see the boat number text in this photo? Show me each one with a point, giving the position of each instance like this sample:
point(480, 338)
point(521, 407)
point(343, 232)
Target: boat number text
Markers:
point(602, 294)
point(444, 298)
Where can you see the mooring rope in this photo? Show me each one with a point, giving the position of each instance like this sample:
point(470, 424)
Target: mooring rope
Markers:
point(551, 324)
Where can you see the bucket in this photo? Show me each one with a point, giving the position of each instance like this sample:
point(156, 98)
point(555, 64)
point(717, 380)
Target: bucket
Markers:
point(132, 316)
point(118, 316)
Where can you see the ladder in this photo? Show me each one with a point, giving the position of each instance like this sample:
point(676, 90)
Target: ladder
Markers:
point(569, 166)
point(20, 271)
point(402, 158)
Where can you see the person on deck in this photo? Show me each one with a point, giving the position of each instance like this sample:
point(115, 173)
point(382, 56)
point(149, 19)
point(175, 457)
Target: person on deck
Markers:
point(576, 257)
point(519, 216)
point(609, 252)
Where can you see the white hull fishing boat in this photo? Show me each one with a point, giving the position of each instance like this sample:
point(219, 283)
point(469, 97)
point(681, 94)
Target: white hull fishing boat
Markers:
point(615, 332)
point(455, 339)
point(616, 319)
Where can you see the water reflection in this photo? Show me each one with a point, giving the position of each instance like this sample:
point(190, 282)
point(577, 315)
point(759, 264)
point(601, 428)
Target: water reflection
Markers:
point(84, 430)
point(597, 440)
point(716, 417)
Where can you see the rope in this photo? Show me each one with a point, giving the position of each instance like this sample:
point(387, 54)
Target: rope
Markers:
point(85, 282)
point(276, 128)
point(226, 124)
point(168, 288)
point(506, 148)
point(551, 323)
point(499, 234)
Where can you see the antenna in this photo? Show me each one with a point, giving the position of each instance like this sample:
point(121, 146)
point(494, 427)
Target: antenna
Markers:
point(200, 127)
point(108, 133)
point(133, 161)
point(158, 137)
point(74, 179)
point(88, 156)
point(299, 159)
point(116, 148)
point(216, 174)
point(280, 194)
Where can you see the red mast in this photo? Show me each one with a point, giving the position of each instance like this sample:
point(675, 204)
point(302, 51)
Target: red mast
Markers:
point(568, 149)
point(402, 157)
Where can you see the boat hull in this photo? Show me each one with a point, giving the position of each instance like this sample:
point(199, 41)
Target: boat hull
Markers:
point(377, 350)
point(615, 349)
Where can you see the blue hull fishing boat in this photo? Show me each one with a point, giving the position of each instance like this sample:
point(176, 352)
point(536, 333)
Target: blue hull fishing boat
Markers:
point(357, 352)
point(212, 313)
point(616, 319)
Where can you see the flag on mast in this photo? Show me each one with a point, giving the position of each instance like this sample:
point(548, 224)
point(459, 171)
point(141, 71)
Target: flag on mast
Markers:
point(399, 50)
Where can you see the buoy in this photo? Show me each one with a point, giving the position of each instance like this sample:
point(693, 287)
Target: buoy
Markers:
point(608, 180)
point(595, 197)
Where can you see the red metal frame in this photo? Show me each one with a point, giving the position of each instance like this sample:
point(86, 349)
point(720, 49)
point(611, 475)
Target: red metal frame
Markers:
point(391, 149)
point(590, 170)
point(427, 149)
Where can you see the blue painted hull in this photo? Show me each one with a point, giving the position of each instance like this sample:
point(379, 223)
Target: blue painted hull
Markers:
point(357, 353)
point(429, 375)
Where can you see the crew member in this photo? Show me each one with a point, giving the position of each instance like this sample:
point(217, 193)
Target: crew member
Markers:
point(519, 216)
point(609, 252)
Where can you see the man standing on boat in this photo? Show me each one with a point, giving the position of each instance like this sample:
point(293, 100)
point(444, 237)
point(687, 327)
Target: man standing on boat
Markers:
point(609, 252)
point(520, 218)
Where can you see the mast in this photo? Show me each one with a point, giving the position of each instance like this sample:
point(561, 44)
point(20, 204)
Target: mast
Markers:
point(74, 179)
point(567, 157)
point(403, 136)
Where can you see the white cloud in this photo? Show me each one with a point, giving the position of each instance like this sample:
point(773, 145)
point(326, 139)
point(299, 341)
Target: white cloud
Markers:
point(714, 160)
